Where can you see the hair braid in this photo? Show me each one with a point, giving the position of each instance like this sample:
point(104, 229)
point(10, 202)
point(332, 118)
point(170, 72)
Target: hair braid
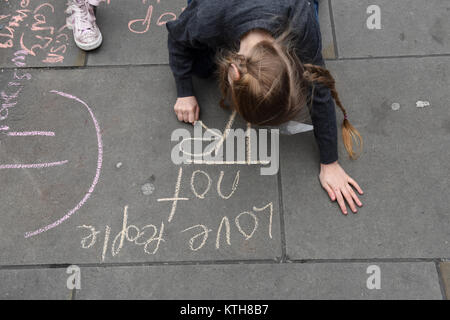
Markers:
point(317, 74)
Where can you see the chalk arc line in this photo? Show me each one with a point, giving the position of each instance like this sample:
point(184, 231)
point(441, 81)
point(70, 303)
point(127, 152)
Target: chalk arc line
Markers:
point(31, 133)
point(97, 172)
point(33, 165)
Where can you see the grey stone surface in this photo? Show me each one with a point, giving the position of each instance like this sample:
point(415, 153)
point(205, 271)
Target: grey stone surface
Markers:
point(445, 272)
point(134, 109)
point(412, 27)
point(34, 284)
point(37, 27)
point(402, 169)
point(135, 32)
point(261, 281)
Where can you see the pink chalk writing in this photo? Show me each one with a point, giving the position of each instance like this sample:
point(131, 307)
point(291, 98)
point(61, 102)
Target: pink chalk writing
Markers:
point(97, 173)
point(31, 133)
point(33, 165)
point(9, 98)
point(46, 40)
point(142, 25)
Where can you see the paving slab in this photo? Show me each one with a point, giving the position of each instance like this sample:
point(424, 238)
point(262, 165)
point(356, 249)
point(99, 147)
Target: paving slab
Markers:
point(261, 281)
point(413, 27)
point(134, 31)
point(37, 30)
point(34, 284)
point(68, 192)
point(445, 274)
point(401, 170)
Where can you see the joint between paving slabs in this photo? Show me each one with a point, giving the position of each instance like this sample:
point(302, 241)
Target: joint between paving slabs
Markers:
point(220, 262)
point(73, 67)
point(333, 30)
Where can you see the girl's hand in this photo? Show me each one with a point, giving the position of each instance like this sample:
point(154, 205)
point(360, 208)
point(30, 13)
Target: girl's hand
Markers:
point(339, 186)
point(187, 109)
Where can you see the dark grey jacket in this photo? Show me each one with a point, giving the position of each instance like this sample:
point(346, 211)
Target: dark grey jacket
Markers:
point(206, 25)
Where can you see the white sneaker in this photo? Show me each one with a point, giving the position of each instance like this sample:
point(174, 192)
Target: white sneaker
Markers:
point(86, 33)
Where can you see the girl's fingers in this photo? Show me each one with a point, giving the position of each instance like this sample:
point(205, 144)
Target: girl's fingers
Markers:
point(197, 111)
point(354, 196)
point(179, 115)
point(349, 199)
point(341, 202)
point(191, 116)
point(330, 192)
point(356, 185)
point(185, 116)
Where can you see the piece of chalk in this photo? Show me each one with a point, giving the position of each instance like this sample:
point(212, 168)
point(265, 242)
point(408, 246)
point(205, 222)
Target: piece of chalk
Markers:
point(147, 189)
point(422, 104)
point(395, 106)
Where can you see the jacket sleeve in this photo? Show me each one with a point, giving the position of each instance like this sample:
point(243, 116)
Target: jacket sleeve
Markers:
point(180, 60)
point(183, 42)
point(323, 111)
point(323, 116)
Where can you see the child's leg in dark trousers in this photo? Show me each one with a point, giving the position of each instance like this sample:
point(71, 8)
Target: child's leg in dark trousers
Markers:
point(316, 8)
point(204, 64)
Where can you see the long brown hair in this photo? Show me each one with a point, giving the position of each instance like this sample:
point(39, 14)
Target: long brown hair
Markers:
point(273, 86)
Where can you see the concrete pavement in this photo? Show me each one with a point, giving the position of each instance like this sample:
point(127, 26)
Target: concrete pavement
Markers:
point(92, 183)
